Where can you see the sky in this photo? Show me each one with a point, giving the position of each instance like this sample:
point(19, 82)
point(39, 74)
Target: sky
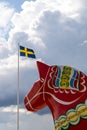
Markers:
point(57, 32)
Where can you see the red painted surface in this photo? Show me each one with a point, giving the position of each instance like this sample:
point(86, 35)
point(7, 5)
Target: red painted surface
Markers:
point(67, 103)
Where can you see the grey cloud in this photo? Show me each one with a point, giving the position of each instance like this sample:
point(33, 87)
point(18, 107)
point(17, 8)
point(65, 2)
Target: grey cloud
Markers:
point(18, 37)
point(4, 51)
point(62, 37)
point(9, 86)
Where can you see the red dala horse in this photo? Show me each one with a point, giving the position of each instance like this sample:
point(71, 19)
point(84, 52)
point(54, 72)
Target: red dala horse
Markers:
point(64, 90)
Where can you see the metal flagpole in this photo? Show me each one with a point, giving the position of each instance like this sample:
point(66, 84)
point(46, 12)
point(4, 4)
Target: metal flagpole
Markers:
point(18, 93)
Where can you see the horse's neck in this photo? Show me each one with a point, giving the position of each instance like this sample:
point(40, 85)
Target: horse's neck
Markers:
point(70, 119)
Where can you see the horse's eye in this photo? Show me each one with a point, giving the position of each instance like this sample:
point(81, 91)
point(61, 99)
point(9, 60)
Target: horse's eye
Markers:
point(42, 80)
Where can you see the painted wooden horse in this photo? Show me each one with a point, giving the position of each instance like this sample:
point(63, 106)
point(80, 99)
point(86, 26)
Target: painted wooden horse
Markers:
point(64, 90)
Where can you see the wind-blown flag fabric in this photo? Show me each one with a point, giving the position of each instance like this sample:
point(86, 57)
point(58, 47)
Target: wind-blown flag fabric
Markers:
point(27, 52)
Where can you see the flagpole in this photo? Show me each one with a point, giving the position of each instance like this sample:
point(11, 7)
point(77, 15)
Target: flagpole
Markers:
point(18, 93)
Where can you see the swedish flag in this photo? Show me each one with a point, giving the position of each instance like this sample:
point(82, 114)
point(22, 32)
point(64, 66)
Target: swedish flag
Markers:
point(27, 52)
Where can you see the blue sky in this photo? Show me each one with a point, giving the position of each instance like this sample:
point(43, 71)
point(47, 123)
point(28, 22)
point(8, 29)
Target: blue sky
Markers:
point(57, 31)
point(14, 3)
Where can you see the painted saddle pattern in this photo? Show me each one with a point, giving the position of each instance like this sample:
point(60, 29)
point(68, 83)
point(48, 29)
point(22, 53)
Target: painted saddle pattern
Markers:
point(72, 85)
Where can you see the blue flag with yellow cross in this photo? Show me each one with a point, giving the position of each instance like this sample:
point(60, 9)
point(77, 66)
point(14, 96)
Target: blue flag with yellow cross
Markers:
point(27, 52)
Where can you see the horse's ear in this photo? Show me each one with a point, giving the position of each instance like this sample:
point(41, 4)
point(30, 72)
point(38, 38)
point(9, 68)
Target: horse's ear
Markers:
point(42, 68)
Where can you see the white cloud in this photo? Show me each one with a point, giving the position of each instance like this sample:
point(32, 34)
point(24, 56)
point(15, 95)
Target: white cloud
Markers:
point(27, 119)
point(5, 14)
point(13, 109)
point(28, 19)
point(84, 43)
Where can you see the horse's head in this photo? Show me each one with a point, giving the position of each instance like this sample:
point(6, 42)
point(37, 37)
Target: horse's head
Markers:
point(64, 90)
point(61, 84)
point(34, 100)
